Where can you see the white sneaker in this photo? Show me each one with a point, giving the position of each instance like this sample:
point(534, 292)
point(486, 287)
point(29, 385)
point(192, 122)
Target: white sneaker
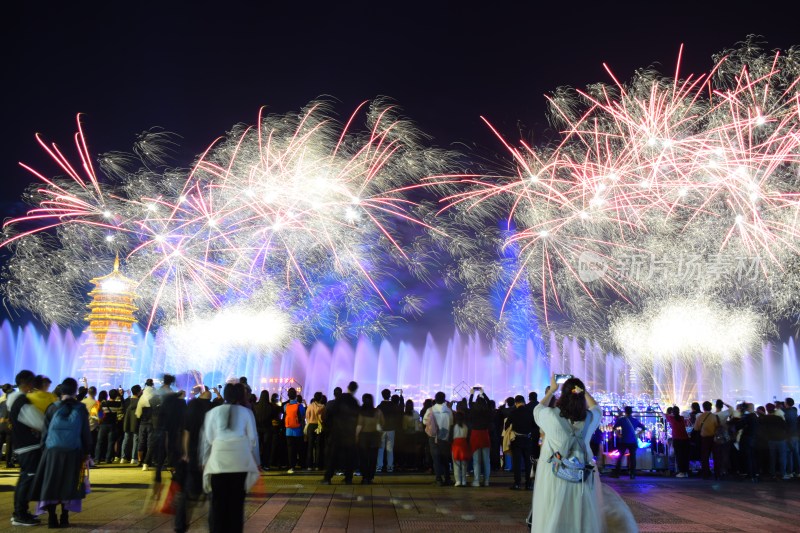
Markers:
point(116, 460)
point(681, 474)
point(458, 484)
point(787, 476)
point(476, 483)
point(144, 468)
point(125, 461)
point(290, 471)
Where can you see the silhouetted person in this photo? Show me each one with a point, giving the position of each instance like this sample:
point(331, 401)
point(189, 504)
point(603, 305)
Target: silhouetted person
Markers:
point(341, 419)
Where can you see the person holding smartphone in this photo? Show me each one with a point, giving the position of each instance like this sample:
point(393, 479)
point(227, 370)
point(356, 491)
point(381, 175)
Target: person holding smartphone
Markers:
point(561, 505)
point(480, 419)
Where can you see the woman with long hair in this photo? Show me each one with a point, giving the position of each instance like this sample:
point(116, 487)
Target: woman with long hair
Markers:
point(412, 430)
point(261, 411)
point(368, 437)
point(560, 504)
point(314, 413)
point(480, 417)
point(67, 444)
point(230, 458)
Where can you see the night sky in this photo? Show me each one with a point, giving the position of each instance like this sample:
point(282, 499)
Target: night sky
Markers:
point(196, 69)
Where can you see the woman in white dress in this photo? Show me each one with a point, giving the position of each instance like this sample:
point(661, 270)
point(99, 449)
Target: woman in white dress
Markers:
point(561, 506)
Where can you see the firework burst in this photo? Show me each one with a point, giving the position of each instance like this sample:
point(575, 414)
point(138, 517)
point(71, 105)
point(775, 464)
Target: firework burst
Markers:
point(309, 211)
point(662, 187)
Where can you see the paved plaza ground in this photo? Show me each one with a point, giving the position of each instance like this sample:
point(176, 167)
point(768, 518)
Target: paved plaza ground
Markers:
point(120, 502)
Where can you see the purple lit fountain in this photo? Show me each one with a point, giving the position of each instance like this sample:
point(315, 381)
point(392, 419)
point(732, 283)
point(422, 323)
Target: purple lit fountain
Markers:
point(452, 365)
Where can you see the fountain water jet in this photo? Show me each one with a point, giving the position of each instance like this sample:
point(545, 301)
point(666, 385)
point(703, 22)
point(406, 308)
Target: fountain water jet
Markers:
point(421, 370)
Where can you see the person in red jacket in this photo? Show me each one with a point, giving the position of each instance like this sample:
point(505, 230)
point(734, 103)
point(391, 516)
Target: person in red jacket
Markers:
point(680, 441)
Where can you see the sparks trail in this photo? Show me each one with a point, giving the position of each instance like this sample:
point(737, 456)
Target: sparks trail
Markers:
point(660, 168)
point(282, 209)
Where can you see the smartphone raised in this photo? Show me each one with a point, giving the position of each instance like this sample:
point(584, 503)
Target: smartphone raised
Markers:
point(561, 378)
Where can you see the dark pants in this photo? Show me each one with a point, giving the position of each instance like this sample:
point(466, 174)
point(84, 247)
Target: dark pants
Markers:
point(268, 449)
point(747, 448)
point(777, 454)
point(293, 447)
point(312, 451)
point(5, 436)
point(630, 447)
point(144, 439)
point(440, 454)
point(28, 463)
point(190, 481)
point(368, 457)
point(722, 458)
point(681, 447)
point(227, 503)
point(157, 451)
point(342, 455)
point(106, 435)
point(708, 448)
point(793, 455)
point(496, 442)
point(521, 449)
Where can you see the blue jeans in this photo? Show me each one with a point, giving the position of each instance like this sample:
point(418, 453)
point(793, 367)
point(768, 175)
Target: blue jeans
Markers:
point(777, 450)
point(793, 455)
point(387, 443)
point(130, 445)
point(145, 432)
point(481, 464)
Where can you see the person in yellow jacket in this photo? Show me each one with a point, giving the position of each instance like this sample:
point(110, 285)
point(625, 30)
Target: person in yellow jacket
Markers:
point(40, 396)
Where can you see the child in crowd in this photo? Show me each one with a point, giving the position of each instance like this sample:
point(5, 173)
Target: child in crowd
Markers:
point(461, 454)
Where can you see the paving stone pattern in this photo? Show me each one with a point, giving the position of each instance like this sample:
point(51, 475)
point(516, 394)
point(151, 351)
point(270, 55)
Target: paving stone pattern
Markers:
point(122, 499)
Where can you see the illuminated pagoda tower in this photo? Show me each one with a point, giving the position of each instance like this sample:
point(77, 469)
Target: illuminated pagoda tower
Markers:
point(107, 355)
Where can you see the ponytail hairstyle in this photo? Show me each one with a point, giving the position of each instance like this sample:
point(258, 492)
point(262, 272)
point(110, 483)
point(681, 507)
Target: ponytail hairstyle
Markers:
point(69, 387)
point(572, 402)
point(233, 395)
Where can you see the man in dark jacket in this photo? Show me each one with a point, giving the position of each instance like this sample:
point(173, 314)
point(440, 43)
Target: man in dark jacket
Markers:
point(189, 470)
point(792, 442)
point(520, 420)
point(533, 401)
point(775, 429)
point(162, 416)
point(27, 424)
point(329, 459)
point(130, 426)
point(748, 424)
point(341, 419)
point(392, 409)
